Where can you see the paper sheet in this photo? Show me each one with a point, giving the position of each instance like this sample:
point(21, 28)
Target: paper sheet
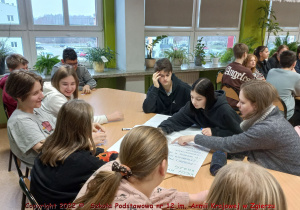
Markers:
point(182, 160)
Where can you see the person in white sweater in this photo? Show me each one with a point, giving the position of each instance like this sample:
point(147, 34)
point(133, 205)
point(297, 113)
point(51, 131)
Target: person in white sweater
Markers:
point(63, 87)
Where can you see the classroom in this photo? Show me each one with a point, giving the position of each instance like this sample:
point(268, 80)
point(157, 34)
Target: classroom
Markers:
point(218, 80)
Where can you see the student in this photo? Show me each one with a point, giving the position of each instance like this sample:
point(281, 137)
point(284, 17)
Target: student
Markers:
point(286, 81)
point(168, 93)
point(262, 54)
point(297, 67)
point(250, 63)
point(27, 127)
point(242, 184)
point(67, 157)
point(208, 109)
point(274, 60)
point(135, 179)
point(86, 82)
point(13, 61)
point(235, 73)
point(271, 140)
point(63, 87)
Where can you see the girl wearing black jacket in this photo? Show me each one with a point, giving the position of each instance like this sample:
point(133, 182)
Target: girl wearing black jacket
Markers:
point(208, 109)
point(262, 65)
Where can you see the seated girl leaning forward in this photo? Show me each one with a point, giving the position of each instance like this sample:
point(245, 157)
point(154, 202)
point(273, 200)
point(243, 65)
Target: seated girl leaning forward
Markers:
point(134, 180)
point(271, 140)
point(208, 109)
point(67, 158)
point(28, 126)
point(245, 186)
point(63, 87)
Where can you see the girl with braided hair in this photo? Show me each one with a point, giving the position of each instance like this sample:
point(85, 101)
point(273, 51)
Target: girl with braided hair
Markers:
point(132, 182)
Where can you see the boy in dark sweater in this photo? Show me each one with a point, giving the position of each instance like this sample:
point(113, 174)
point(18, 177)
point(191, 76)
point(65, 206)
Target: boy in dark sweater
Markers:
point(168, 93)
point(235, 73)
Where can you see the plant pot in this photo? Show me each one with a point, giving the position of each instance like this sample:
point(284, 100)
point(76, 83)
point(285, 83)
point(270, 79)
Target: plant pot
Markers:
point(98, 67)
point(150, 62)
point(2, 66)
point(176, 62)
point(215, 61)
point(198, 61)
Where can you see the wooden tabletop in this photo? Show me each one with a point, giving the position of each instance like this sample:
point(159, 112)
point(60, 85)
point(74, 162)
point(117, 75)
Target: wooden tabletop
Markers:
point(106, 101)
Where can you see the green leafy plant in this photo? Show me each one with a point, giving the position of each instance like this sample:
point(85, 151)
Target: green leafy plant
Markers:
point(267, 21)
point(149, 47)
point(4, 49)
point(215, 55)
point(250, 42)
point(278, 41)
point(199, 50)
point(45, 61)
point(176, 53)
point(95, 54)
point(227, 56)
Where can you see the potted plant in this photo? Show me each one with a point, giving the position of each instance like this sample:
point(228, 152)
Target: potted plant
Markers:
point(176, 56)
point(215, 58)
point(227, 56)
point(4, 51)
point(278, 41)
point(99, 56)
point(149, 47)
point(199, 53)
point(45, 62)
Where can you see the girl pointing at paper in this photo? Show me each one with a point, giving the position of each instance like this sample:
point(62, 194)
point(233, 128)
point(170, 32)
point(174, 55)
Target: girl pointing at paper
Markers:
point(208, 109)
point(270, 139)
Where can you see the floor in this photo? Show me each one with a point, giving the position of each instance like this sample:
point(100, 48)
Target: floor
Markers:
point(10, 192)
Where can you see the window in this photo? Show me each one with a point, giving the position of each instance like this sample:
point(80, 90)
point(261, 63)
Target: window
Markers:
point(184, 22)
point(50, 26)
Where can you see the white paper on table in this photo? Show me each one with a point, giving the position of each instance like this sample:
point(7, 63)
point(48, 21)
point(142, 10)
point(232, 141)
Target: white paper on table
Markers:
point(182, 160)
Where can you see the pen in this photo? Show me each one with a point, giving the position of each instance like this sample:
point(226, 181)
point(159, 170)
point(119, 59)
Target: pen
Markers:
point(126, 129)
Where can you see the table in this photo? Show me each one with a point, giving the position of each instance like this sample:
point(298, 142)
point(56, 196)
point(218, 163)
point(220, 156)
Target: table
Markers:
point(106, 100)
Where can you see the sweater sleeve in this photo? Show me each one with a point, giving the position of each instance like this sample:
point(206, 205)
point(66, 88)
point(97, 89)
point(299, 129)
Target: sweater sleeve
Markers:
point(149, 105)
point(88, 80)
point(169, 198)
point(179, 121)
point(54, 108)
point(232, 121)
point(101, 119)
point(257, 137)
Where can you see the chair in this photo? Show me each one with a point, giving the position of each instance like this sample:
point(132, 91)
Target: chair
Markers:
point(219, 78)
point(10, 153)
point(231, 93)
point(24, 183)
point(281, 106)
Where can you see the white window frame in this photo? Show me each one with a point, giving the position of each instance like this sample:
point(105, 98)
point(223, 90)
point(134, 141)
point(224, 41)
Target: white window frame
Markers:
point(283, 33)
point(28, 32)
point(194, 31)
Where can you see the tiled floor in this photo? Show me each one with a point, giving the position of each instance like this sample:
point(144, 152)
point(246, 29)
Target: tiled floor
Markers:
point(10, 192)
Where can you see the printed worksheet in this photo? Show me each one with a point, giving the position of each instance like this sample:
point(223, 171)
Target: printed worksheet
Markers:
point(182, 160)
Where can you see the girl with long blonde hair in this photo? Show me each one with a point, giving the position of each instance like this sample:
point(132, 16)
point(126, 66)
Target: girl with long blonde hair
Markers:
point(67, 158)
point(133, 181)
point(250, 62)
point(245, 186)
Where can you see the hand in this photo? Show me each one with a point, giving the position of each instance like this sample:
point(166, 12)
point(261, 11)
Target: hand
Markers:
point(115, 116)
point(97, 127)
point(99, 137)
point(206, 132)
point(155, 78)
point(183, 140)
point(86, 89)
point(198, 198)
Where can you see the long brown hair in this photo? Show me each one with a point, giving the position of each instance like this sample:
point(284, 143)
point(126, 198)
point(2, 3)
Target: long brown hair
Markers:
point(73, 131)
point(260, 93)
point(142, 150)
point(241, 183)
point(63, 72)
